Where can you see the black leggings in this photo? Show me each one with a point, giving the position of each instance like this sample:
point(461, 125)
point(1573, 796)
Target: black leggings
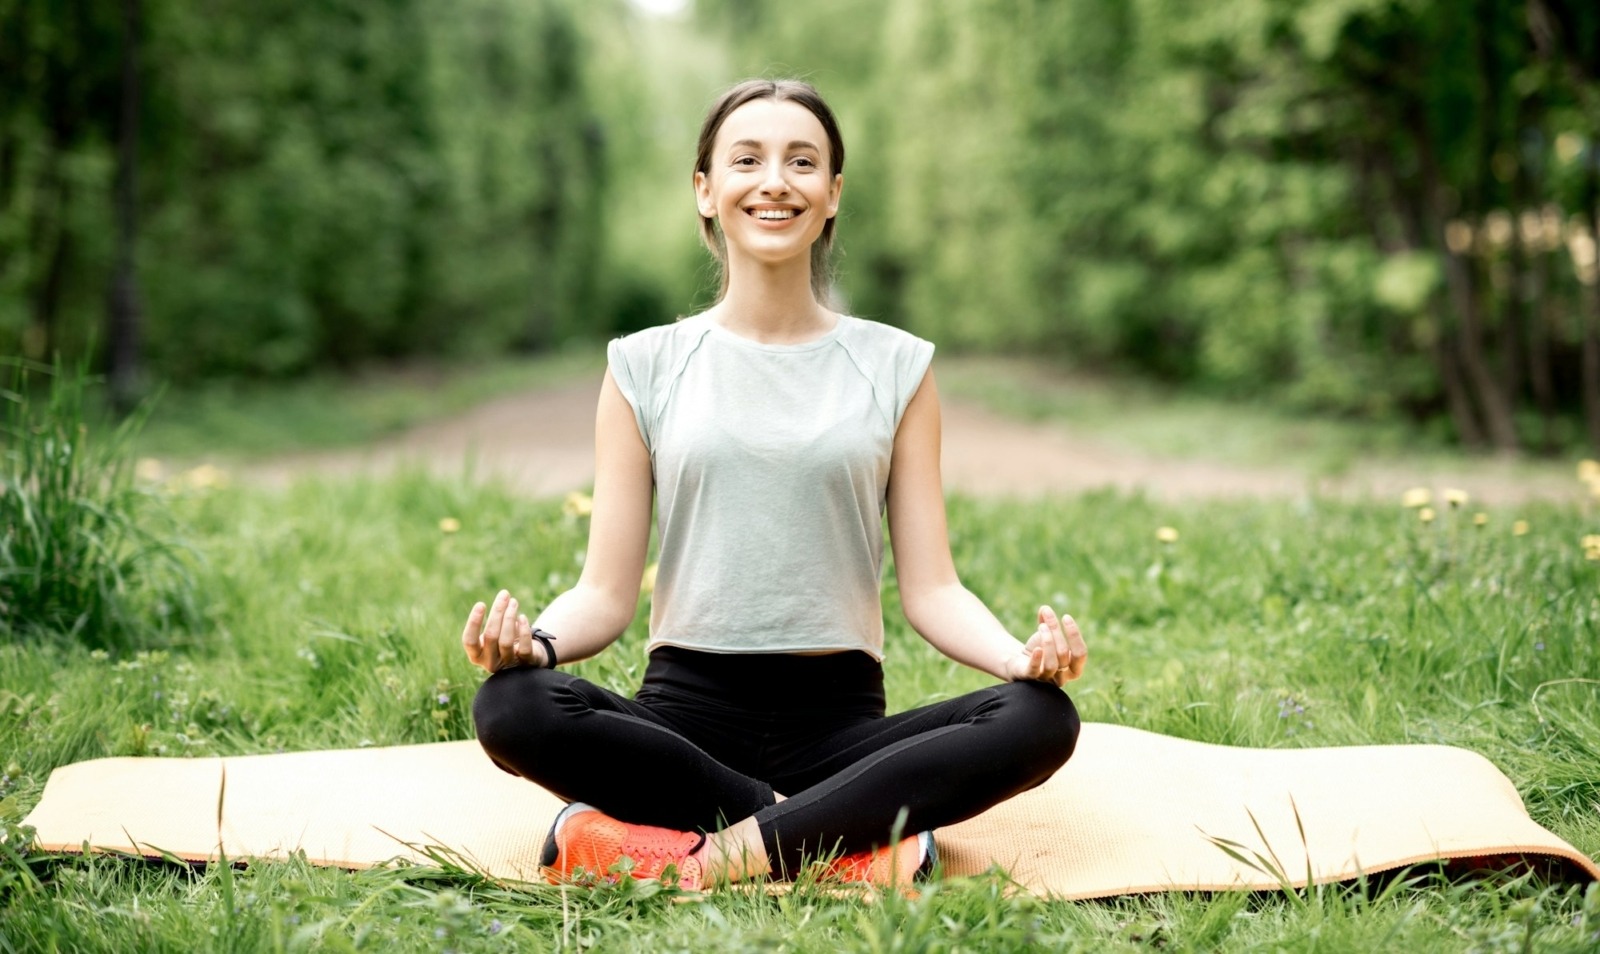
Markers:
point(710, 736)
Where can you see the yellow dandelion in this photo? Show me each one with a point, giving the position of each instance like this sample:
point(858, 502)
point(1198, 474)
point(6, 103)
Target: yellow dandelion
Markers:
point(1593, 553)
point(1455, 497)
point(1519, 528)
point(449, 525)
point(149, 469)
point(1426, 515)
point(1480, 519)
point(1167, 535)
point(206, 477)
point(647, 582)
point(578, 504)
point(1592, 541)
point(1589, 471)
point(1416, 497)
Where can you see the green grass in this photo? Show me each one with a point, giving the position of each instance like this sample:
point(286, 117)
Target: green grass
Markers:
point(231, 419)
point(331, 613)
point(83, 552)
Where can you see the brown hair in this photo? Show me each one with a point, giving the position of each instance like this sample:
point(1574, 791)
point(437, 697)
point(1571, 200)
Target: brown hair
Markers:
point(784, 90)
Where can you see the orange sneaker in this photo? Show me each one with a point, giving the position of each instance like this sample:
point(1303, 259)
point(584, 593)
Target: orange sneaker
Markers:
point(910, 860)
point(584, 840)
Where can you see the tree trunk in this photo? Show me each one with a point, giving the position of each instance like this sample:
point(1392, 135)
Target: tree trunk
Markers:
point(1491, 398)
point(123, 306)
point(1515, 322)
point(1507, 332)
point(1589, 297)
point(1455, 393)
point(1541, 319)
point(1415, 237)
point(1464, 296)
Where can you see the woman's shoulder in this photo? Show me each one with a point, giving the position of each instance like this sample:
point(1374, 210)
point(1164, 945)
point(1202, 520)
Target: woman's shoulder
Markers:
point(877, 334)
point(874, 339)
point(649, 346)
point(665, 333)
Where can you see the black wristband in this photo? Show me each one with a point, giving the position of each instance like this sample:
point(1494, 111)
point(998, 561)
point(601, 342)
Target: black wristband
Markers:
point(545, 639)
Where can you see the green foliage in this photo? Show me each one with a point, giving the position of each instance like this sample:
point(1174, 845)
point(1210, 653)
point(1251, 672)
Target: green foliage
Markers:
point(358, 179)
point(85, 552)
point(1264, 197)
point(321, 185)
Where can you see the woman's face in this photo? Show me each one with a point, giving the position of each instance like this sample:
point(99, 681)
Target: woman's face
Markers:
point(769, 187)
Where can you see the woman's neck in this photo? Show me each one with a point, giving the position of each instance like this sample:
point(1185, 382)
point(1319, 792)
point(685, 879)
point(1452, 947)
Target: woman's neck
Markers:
point(772, 306)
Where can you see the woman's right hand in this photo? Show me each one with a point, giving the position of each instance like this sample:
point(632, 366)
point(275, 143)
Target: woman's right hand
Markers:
point(504, 640)
point(1055, 653)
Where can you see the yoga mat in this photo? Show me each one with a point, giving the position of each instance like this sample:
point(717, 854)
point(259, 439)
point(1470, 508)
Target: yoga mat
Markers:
point(1132, 812)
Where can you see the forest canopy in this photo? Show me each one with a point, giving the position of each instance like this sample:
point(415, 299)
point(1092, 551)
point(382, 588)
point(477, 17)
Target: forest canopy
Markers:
point(1363, 207)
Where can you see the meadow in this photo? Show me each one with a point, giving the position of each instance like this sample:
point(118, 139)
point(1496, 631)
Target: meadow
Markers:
point(327, 615)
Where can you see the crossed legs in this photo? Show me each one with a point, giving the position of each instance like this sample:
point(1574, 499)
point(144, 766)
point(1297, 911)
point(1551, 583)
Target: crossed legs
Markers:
point(697, 762)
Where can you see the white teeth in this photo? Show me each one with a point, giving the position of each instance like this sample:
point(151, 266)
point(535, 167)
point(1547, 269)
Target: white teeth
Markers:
point(775, 213)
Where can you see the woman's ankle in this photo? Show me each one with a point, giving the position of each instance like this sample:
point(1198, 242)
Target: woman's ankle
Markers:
point(735, 853)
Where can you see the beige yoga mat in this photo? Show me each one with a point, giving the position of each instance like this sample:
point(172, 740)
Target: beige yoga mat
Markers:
point(1133, 811)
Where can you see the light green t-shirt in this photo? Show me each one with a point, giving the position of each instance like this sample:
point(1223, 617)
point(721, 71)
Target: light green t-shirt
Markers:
point(771, 464)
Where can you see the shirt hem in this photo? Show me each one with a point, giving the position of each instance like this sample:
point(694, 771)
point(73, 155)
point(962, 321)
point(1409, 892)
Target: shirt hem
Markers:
point(875, 653)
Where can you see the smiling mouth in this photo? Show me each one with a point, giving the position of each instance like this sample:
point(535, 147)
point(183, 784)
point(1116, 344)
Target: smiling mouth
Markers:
point(774, 215)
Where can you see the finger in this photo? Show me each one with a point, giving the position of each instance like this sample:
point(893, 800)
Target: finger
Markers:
point(1047, 644)
point(1046, 640)
point(1077, 649)
point(508, 635)
point(525, 651)
point(1036, 663)
point(491, 654)
point(491, 629)
point(1057, 625)
point(497, 612)
point(471, 636)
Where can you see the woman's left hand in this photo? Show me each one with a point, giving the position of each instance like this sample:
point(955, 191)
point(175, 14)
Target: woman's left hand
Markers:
point(1055, 653)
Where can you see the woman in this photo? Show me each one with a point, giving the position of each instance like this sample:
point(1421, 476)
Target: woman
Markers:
point(772, 434)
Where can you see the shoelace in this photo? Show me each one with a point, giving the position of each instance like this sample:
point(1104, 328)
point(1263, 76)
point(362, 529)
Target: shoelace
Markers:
point(659, 846)
point(655, 852)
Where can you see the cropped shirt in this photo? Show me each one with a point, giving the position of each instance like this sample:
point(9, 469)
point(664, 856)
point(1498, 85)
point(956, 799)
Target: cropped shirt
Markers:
point(771, 467)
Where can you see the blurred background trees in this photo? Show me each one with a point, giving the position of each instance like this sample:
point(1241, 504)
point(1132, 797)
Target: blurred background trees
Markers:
point(1362, 207)
point(321, 184)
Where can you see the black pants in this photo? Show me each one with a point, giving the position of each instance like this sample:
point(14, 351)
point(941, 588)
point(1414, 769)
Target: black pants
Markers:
point(710, 736)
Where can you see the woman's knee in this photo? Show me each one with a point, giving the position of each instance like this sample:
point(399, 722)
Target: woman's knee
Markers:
point(1045, 714)
point(512, 706)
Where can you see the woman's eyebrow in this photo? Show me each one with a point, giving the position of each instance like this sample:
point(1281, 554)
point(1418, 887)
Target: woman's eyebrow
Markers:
point(754, 144)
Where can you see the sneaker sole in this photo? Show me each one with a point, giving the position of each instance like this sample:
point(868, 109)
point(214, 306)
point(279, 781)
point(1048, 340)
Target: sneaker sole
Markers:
point(930, 857)
point(552, 851)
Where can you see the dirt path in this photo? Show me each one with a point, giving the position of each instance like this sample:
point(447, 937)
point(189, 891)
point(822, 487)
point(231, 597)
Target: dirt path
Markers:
point(541, 442)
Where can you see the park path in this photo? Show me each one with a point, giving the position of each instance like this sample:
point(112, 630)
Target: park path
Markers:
point(541, 442)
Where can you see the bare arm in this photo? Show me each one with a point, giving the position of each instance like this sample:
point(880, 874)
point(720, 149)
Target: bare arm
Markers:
point(936, 603)
point(590, 616)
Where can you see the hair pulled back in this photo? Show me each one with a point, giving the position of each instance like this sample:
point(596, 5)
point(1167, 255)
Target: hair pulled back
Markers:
point(780, 90)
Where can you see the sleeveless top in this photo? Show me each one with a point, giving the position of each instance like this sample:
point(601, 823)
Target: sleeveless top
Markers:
point(771, 464)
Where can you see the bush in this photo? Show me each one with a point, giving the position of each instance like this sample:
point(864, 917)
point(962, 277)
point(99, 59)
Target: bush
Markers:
point(78, 553)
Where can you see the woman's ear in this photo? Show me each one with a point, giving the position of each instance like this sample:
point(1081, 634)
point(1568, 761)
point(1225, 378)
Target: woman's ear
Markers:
point(833, 195)
point(702, 196)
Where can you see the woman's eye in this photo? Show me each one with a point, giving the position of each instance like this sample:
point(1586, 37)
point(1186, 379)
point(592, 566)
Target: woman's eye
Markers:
point(745, 161)
point(804, 162)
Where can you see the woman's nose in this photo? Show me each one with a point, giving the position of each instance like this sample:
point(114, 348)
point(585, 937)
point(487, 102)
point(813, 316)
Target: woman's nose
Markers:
point(774, 183)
